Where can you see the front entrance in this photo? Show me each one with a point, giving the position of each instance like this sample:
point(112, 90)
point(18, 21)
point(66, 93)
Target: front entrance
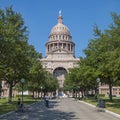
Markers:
point(60, 73)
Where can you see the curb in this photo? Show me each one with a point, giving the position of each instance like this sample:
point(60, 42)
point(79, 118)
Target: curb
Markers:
point(115, 114)
point(107, 111)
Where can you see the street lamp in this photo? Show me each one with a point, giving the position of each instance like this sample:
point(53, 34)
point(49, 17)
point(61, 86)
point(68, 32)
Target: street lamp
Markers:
point(41, 92)
point(22, 81)
point(98, 82)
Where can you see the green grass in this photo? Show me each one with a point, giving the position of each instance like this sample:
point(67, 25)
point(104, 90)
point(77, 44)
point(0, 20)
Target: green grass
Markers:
point(113, 106)
point(7, 107)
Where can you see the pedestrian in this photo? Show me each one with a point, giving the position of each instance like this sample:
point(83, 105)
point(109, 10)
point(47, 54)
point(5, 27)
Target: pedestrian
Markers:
point(47, 100)
point(20, 106)
point(19, 102)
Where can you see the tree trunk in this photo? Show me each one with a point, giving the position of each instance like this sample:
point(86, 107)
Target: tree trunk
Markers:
point(33, 94)
point(0, 88)
point(38, 94)
point(76, 94)
point(79, 94)
point(110, 91)
point(10, 93)
point(96, 90)
point(82, 94)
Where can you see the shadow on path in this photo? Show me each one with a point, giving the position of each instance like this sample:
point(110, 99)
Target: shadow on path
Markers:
point(38, 111)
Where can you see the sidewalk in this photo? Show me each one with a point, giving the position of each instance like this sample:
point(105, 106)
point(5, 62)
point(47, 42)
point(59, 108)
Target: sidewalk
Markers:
point(60, 109)
point(36, 111)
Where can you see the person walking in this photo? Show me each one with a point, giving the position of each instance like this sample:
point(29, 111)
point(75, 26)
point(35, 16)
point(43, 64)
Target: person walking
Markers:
point(19, 105)
point(47, 100)
point(19, 102)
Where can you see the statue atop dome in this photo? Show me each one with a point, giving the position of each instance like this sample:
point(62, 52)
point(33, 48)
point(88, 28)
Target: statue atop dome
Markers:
point(60, 13)
point(60, 18)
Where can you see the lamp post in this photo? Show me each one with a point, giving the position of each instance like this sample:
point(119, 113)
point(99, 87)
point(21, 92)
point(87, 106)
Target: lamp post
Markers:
point(41, 92)
point(22, 82)
point(98, 82)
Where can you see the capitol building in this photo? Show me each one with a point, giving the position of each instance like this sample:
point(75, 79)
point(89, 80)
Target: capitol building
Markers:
point(60, 57)
point(60, 52)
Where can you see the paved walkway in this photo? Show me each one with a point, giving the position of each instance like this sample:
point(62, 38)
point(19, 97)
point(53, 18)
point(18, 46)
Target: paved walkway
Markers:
point(64, 109)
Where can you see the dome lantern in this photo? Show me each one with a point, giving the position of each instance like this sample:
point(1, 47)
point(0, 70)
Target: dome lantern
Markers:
point(60, 30)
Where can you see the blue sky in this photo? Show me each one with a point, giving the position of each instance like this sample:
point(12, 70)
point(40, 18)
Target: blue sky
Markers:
point(78, 15)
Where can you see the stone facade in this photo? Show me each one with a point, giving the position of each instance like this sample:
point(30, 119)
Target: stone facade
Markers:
point(60, 51)
point(104, 90)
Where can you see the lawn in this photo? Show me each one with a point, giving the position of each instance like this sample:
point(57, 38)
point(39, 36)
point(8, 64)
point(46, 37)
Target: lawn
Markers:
point(7, 107)
point(113, 106)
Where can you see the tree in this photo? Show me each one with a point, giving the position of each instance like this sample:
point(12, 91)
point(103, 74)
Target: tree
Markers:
point(36, 77)
point(81, 78)
point(72, 81)
point(50, 82)
point(14, 60)
point(102, 53)
point(102, 59)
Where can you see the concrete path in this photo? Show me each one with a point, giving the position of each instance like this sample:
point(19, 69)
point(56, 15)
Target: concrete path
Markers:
point(64, 109)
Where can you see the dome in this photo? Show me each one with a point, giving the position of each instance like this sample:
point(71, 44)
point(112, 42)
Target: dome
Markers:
point(60, 28)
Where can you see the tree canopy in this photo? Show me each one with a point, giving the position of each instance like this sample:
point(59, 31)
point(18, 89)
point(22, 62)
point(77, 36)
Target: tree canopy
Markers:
point(17, 57)
point(102, 58)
